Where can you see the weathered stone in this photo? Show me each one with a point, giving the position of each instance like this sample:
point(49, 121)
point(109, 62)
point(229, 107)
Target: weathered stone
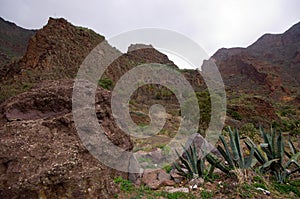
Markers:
point(174, 190)
point(41, 155)
point(154, 179)
point(176, 177)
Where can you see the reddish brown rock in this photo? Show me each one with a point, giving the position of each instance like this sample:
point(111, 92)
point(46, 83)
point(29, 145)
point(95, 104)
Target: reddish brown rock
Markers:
point(155, 179)
point(41, 155)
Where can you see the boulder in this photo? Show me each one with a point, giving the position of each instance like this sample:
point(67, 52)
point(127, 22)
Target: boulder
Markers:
point(155, 179)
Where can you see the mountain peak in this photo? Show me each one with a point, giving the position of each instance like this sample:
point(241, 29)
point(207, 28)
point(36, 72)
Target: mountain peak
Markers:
point(57, 21)
point(133, 47)
point(58, 46)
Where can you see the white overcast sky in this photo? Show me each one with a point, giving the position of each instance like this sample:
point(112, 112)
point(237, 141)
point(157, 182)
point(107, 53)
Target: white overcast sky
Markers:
point(211, 23)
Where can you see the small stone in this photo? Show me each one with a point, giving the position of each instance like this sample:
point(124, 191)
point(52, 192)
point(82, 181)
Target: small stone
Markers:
point(179, 189)
point(197, 181)
point(154, 179)
point(176, 177)
point(169, 183)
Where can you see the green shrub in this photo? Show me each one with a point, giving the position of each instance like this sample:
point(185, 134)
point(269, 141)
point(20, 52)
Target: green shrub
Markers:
point(125, 185)
point(271, 156)
point(232, 152)
point(106, 83)
point(235, 115)
point(190, 167)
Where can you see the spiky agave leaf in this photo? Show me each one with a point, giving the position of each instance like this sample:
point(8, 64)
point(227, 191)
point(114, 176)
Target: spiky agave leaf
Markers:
point(238, 147)
point(292, 148)
point(213, 160)
point(267, 164)
point(226, 153)
point(293, 160)
point(190, 160)
point(267, 145)
point(280, 148)
point(233, 144)
point(257, 153)
point(185, 163)
point(179, 170)
point(194, 166)
point(249, 160)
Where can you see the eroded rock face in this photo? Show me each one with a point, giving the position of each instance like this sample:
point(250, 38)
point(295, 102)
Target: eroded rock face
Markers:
point(41, 155)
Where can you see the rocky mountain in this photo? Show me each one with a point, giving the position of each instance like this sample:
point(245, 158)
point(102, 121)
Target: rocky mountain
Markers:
point(13, 41)
point(272, 62)
point(40, 152)
point(54, 52)
point(269, 69)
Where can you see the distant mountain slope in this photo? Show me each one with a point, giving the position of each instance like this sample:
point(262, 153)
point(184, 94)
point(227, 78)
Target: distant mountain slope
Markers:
point(273, 62)
point(13, 41)
point(268, 69)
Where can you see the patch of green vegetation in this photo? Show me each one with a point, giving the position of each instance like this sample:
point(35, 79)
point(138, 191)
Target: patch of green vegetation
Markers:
point(167, 168)
point(291, 126)
point(166, 150)
point(144, 192)
point(125, 185)
point(286, 188)
point(26, 85)
point(259, 185)
point(212, 177)
point(206, 194)
point(234, 114)
point(10, 90)
point(142, 159)
point(246, 190)
point(106, 83)
point(138, 113)
point(204, 102)
point(248, 129)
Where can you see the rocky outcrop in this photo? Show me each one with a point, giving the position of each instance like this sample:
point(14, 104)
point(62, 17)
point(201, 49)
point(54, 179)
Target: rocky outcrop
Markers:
point(55, 52)
point(59, 47)
point(41, 155)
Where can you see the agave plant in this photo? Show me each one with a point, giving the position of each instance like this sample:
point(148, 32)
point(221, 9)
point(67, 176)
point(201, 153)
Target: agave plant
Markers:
point(217, 162)
point(190, 167)
point(270, 154)
point(233, 153)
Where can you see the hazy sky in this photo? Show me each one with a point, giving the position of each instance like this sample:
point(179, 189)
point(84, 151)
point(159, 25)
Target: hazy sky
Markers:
point(211, 23)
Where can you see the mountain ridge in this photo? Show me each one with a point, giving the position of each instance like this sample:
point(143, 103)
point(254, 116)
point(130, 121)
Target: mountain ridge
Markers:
point(57, 50)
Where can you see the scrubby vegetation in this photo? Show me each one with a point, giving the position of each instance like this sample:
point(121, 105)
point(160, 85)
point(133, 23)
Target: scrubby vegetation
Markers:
point(244, 168)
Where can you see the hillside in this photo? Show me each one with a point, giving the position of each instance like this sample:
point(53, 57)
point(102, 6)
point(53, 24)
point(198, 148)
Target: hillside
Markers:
point(272, 61)
point(41, 155)
point(269, 69)
point(13, 41)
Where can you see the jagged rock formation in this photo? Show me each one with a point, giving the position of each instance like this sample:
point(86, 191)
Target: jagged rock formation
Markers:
point(54, 52)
